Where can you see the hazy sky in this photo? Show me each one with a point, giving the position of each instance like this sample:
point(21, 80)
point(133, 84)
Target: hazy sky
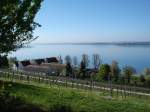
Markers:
point(94, 20)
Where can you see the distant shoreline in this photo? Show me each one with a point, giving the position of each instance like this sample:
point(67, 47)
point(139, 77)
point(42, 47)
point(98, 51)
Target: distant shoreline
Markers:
point(97, 43)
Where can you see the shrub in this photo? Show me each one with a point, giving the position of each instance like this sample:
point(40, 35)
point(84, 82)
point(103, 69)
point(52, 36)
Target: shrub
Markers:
point(13, 104)
point(104, 71)
point(4, 62)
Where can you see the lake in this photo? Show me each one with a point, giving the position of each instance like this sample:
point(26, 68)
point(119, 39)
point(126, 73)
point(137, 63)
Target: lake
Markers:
point(137, 56)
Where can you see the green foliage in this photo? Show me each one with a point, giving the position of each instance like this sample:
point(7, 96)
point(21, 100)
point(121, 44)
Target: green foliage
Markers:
point(135, 80)
point(4, 62)
point(10, 103)
point(142, 78)
point(17, 23)
point(148, 81)
point(128, 71)
point(68, 65)
point(104, 71)
point(82, 69)
point(115, 70)
point(75, 100)
point(68, 69)
point(60, 108)
point(12, 61)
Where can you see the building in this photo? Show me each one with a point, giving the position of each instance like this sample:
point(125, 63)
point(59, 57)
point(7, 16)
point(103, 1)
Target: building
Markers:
point(50, 66)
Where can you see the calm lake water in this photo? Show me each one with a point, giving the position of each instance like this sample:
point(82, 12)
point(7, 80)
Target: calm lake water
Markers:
point(137, 56)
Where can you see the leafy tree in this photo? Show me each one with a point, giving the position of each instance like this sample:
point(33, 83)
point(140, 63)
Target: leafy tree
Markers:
point(17, 23)
point(104, 71)
point(142, 78)
point(135, 80)
point(4, 63)
point(12, 61)
point(128, 71)
point(96, 61)
point(148, 81)
point(115, 70)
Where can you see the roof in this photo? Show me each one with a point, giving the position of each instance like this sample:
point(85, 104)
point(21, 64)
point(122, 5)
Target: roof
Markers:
point(52, 59)
point(54, 65)
point(39, 61)
point(25, 62)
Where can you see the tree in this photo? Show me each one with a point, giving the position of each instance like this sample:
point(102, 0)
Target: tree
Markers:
point(82, 69)
point(148, 81)
point(3, 62)
point(68, 69)
point(115, 70)
point(104, 71)
point(142, 79)
point(128, 71)
point(96, 61)
point(68, 65)
point(17, 23)
point(68, 59)
point(84, 64)
point(85, 60)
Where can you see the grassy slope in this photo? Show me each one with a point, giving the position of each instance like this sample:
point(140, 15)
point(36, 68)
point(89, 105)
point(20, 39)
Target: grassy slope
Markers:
point(79, 100)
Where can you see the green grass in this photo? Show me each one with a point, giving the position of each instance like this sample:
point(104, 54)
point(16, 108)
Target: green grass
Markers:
point(80, 100)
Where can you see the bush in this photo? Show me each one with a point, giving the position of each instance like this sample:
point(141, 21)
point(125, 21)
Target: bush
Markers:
point(13, 104)
point(134, 80)
point(104, 71)
point(4, 62)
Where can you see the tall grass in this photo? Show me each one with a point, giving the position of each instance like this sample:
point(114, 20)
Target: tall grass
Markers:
point(55, 99)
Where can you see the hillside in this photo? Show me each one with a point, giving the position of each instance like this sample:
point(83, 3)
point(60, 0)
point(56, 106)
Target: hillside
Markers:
point(61, 99)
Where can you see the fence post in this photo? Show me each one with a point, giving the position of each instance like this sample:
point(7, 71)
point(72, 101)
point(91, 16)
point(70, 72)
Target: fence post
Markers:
point(8, 75)
point(72, 84)
point(117, 91)
point(20, 77)
point(39, 78)
point(28, 78)
point(12, 76)
point(66, 82)
point(49, 81)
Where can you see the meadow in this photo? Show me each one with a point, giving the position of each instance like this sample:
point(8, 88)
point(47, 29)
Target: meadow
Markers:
point(62, 99)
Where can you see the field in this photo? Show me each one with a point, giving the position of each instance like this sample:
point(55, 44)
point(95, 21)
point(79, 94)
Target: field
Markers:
point(49, 98)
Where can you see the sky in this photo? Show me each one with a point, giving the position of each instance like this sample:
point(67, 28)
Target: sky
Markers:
point(93, 21)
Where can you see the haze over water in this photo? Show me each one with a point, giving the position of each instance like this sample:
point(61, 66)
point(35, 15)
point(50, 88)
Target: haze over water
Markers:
point(133, 55)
